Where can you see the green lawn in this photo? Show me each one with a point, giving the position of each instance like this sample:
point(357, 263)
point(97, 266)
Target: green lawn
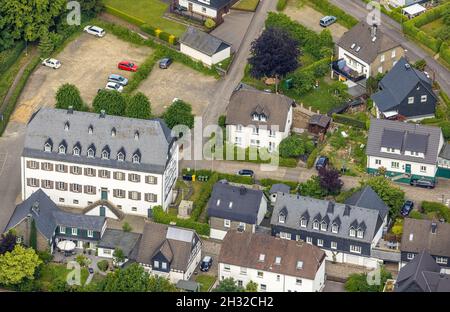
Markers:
point(246, 5)
point(436, 28)
point(54, 271)
point(149, 11)
point(206, 282)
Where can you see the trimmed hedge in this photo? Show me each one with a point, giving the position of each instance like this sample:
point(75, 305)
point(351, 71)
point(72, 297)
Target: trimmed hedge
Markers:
point(159, 216)
point(281, 5)
point(312, 158)
point(441, 210)
point(444, 52)
point(123, 15)
point(349, 121)
point(234, 178)
point(202, 200)
point(10, 56)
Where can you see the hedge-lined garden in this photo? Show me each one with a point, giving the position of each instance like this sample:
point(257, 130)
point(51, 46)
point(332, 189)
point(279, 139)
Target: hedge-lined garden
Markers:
point(325, 7)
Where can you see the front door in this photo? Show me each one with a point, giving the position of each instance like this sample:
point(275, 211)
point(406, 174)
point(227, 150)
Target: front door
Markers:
point(104, 194)
point(408, 168)
point(102, 211)
point(190, 7)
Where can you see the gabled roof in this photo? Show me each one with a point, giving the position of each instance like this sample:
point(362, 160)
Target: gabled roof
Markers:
point(243, 249)
point(48, 124)
point(320, 120)
point(126, 241)
point(397, 131)
point(244, 102)
point(422, 274)
point(367, 198)
point(361, 36)
point(398, 83)
point(417, 236)
point(203, 42)
point(280, 187)
point(445, 151)
point(215, 4)
point(234, 203)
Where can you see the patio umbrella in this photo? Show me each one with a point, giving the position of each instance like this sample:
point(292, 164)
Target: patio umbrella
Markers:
point(66, 245)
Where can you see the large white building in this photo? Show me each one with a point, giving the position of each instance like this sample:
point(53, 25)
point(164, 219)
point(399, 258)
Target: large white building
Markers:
point(275, 264)
point(81, 158)
point(258, 119)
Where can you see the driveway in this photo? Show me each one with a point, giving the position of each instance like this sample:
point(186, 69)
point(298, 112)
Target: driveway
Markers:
point(332, 286)
point(310, 18)
point(234, 27)
point(86, 63)
point(178, 81)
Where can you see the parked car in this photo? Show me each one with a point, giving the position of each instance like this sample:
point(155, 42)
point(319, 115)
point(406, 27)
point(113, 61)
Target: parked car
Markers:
point(51, 62)
point(322, 162)
point(206, 264)
point(422, 183)
point(127, 65)
point(91, 271)
point(118, 79)
point(114, 86)
point(165, 63)
point(327, 21)
point(407, 207)
point(95, 30)
point(246, 173)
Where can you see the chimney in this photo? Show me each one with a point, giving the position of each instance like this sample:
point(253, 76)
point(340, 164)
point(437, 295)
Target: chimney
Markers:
point(35, 208)
point(70, 110)
point(242, 190)
point(373, 30)
point(433, 227)
point(102, 113)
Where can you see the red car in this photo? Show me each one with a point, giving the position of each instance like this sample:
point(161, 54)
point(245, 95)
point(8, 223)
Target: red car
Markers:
point(129, 66)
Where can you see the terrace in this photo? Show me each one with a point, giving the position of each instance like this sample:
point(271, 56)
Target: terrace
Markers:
point(340, 68)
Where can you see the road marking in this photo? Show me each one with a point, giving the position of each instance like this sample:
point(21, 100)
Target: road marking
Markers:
point(3, 157)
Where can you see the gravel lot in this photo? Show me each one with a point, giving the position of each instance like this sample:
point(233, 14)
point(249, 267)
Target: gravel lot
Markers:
point(178, 81)
point(86, 62)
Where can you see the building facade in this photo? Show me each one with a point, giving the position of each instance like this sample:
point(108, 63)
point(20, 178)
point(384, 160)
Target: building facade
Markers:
point(203, 9)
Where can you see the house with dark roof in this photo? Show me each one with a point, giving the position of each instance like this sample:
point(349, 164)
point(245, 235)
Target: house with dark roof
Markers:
point(258, 119)
point(405, 93)
point(204, 47)
point(82, 159)
point(426, 235)
point(346, 232)
point(53, 224)
point(114, 239)
point(365, 51)
point(276, 265)
point(201, 10)
point(168, 251)
point(402, 150)
point(422, 274)
point(278, 188)
point(235, 208)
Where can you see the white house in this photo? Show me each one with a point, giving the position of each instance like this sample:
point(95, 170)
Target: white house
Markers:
point(113, 240)
point(258, 119)
point(403, 150)
point(82, 158)
point(275, 264)
point(203, 9)
point(169, 251)
point(204, 47)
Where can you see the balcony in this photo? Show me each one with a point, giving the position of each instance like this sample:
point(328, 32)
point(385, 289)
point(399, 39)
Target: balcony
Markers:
point(387, 251)
point(340, 67)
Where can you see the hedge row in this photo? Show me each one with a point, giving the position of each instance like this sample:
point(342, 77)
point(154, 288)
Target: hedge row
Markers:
point(144, 71)
point(123, 15)
point(281, 5)
point(10, 56)
point(346, 120)
point(441, 210)
point(325, 7)
point(159, 216)
point(444, 52)
point(202, 200)
point(312, 158)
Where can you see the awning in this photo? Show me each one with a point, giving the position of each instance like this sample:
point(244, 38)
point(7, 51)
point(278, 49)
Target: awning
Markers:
point(414, 9)
point(66, 245)
point(390, 114)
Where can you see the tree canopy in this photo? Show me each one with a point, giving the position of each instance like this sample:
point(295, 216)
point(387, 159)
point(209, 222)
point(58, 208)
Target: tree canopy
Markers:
point(330, 180)
point(69, 95)
point(17, 265)
point(358, 282)
point(228, 285)
point(111, 101)
point(295, 145)
point(391, 194)
point(179, 113)
point(312, 188)
point(7, 242)
point(138, 106)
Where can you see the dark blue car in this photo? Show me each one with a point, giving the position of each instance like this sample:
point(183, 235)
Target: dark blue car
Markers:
point(407, 207)
point(322, 162)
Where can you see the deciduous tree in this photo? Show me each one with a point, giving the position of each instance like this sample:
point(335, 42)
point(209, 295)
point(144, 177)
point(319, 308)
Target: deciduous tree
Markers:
point(17, 265)
point(138, 106)
point(179, 113)
point(7, 242)
point(228, 285)
point(112, 102)
point(392, 195)
point(69, 95)
point(330, 181)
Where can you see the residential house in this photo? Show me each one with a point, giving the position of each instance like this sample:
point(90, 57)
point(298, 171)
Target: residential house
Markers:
point(204, 47)
point(426, 235)
point(203, 9)
point(81, 158)
point(53, 224)
point(168, 251)
point(365, 51)
point(258, 119)
point(422, 274)
point(403, 150)
point(114, 239)
point(405, 93)
point(278, 188)
point(275, 264)
point(235, 208)
point(402, 3)
point(346, 232)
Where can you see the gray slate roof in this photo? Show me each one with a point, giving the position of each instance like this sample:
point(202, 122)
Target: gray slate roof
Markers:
point(397, 131)
point(294, 207)
point(422, 274)
point(244, 103)
point(203, 42)
point(152, 145)
point(234, 203)
point(360, 35)
point(279, 187)
point(367, 198)
point(398, 83)
point(215, 4)
point(126, 241)
point(445, 152)
point(49, 216)
point(320, 120)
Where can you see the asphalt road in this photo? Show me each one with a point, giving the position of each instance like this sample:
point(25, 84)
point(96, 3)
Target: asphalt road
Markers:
point(357, 8)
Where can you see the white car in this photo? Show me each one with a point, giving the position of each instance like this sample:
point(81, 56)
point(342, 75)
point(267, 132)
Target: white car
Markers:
point(95, 30)
point(114, 86)
point(51, 62)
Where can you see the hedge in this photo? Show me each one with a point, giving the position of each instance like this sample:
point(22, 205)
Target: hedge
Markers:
point(312, 158)
point(444, 52)
point(124, 16)
point(349, 121)
point(433, 207)
point(327, 8)
point(234, 178)
point(142, 74)
point(281, 5)
point(159, 216)
point(10, 56)
point(202, 200)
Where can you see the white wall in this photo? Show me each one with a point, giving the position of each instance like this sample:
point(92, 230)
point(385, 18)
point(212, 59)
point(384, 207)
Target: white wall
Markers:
point(358, 67)
point(262, 210)
point(217, 234)
point(222, 55)
point(205, 59)
point(197, 8)
point(102, 252)
point(415, 166)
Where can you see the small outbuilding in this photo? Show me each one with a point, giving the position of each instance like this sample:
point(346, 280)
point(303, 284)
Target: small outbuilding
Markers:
point(413, 10)
point(204, 47)
point(319, 124)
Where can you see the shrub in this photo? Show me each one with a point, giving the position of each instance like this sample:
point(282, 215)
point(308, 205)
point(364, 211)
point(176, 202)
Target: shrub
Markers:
point(312, 188)
point(444, 52)
point(440, 210)
point(143, 72)
point(312, 158)
point(103, 265)
point(210, 23)
point(415, 215)
point(281, 5)
point(123, 15)
point(68, 95)
point(160, 216)
point(126, 227)
point(346, 120)
point(111, 101)
point(10, 56)
point(295, 146)
point(148, 29)
point(202, 200)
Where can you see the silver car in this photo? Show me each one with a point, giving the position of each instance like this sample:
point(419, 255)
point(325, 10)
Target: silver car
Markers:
point(118, 79)
point(114, 86)
point(95, 30)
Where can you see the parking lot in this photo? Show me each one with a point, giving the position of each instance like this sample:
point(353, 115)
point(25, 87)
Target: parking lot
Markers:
point(86, 62)
point(178, 81)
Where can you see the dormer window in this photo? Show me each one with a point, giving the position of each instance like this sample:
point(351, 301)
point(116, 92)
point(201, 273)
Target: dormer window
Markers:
point(255, 116)
point(323, 226)
point(299, 265)
point(113, 132)
point(303, 222)
point(334, 228)
point(105, 154)
point(66, 126)
point(48, 147)
point(262, 257)
point(352, 232)
point(91, 129)
point(62, 149)
point(316, 225)
point(76, 151)
point(120, 156)
point(262, 117)
point(136, 135)
point(281, 218)
point(277, 260)
point(360, 233)
point(353, 46)
point(90, 153)
point(136, 158)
